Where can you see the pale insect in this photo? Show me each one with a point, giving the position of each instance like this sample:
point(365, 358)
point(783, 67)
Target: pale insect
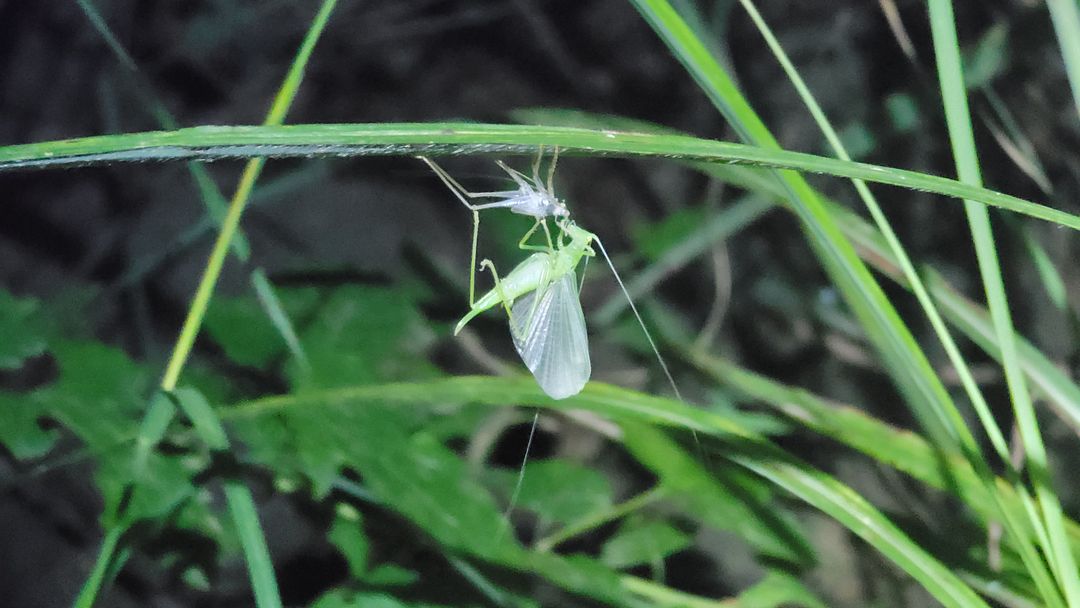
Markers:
point(540, 295)
point(533, 198)
point(547, 325)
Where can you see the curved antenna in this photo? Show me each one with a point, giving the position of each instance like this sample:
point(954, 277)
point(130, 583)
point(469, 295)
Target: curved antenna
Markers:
point(648, 336)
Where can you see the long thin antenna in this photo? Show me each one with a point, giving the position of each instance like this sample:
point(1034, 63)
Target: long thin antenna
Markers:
point(520, 480)
point(521, 471)
point(641, 322)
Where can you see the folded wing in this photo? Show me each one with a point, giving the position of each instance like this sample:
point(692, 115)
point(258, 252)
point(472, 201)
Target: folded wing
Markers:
point(551, 337)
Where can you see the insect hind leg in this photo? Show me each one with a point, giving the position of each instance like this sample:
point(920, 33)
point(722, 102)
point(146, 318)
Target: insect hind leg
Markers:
point(489, 265)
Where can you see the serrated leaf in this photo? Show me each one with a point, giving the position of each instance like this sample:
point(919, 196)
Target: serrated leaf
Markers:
point(363, 335)
point(563, 491)
point(643, 543)
point(347, 534)
point(346, 598)
point(243, 331)
point(21, 336)
point(415, 475)
point(20, 431)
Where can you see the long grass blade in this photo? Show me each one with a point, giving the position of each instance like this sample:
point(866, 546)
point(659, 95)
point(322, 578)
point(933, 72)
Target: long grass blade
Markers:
point(896, 448)
point(1066, 17)
point(211, 196)
point(240, 502)
point(915, 283)
point(993, 431)
point(950, 75)
point(410, 139)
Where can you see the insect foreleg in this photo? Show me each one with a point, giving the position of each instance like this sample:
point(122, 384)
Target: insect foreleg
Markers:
point(551, 171)
point(547, 233)
point(522, 244)
point(536, 166)
point(460, 191)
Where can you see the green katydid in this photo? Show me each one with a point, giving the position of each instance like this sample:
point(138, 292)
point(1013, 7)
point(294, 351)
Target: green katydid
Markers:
point(540, 295)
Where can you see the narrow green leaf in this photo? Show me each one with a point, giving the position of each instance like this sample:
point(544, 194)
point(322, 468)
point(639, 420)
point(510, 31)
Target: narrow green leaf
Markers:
point(720, 497)
point(1061, 392)
point(1066, 17)
point(896, 448)
point(92, 586)
point(958, 119)
point(902, 356)
point(212, 198)
point(402, 139)
point(198, 410)
point(741, 446)
point(276, 312)
point(241, 505)
point(259, 565)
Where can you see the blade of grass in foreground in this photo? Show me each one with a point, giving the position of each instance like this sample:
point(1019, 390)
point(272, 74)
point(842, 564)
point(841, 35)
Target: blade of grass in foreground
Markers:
point(741, 446)
point(1066, 17)
point(991, 427)
point(901, 355)
point(208, 190)
point(239, 500)
point(245, 516)
point(968, 317)
point(982, 408)
point(407, 139)
point(896, 448)
point(950, 74)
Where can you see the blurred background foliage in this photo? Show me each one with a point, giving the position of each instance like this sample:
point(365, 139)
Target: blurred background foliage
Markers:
point(388, 504)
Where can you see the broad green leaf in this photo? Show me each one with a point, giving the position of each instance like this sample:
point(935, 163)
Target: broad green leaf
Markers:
point(242, 330)
point(778, 590)
point(20, 429)
point(562, 491)
point(643, 542)
point(421, 479)
point(346, 598)
point(363, 335)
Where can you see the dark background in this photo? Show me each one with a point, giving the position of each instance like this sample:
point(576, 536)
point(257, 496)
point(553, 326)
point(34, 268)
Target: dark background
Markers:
point(76, 235)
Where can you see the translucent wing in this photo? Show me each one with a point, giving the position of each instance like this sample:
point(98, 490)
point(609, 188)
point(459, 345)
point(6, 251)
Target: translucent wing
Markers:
point(551, 338)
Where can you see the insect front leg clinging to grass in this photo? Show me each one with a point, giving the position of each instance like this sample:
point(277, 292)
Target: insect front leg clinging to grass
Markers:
point(531, 198)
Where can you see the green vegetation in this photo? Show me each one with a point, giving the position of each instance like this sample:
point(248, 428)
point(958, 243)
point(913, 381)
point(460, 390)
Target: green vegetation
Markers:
point(335, 393)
